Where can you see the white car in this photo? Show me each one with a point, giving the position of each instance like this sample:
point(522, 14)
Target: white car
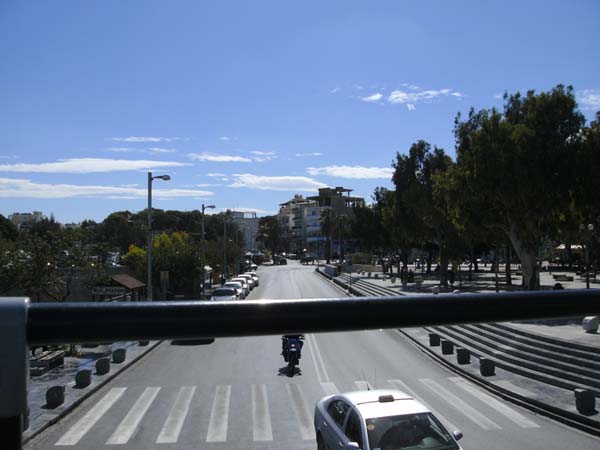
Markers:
point(244, 283)
point(224, 294)
point(237, 286)
point(379, 420)
point(254, 277)
point(249, 279)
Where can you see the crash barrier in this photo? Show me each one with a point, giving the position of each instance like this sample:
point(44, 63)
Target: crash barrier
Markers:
point(23, 324)
point(463, 356)
point(487, 368)
point(83, 378)
point(585, 401)
point(55, 396)
point(102, 366)
point(447, 347)
point(118, 356)
point(590, 324)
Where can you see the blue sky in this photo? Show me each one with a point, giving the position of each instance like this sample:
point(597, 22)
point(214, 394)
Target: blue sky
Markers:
point(246, 103)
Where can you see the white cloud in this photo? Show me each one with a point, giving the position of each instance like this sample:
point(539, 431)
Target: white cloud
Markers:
point(216, 174)
point(241, 209)
point(498, 96)
point(145, 139)
point(355, 172)
point(334, 90)
point(161, 150)
point(21, 188)
point(150, 150)
point(89, 165)
point(372, 98)
point(411, 107)
point(404, 97)
point(213, 157)
point(122, 149)
point(309, 154)
point(589, 99)
point(262, 153)
point(224, 138)
point(282, 183)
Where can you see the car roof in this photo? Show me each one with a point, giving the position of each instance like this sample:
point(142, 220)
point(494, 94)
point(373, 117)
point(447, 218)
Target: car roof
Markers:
point(239, 279)
point(232, 282)
point(369, 406)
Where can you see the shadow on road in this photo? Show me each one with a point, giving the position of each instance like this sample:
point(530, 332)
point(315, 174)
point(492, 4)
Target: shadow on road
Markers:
point(283, 371)
point(189, 342)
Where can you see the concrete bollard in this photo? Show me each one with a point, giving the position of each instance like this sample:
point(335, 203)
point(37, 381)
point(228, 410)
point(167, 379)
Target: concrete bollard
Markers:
point(118, 355)
point(436, 290)
point(102, 366)
point(83, 378)
point(369, 275)
point(55, 396)
point(143, 343)
point(463, 356)
point(447, 347)
point(434, 340)
point(393, 280)
point(585, 401)
point(590, 324)
point(487, 368)
point(376, 276)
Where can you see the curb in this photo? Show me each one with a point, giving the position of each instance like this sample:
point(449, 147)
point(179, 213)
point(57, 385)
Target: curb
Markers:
point(27, 437)
point(340, 285)
point(560, 415)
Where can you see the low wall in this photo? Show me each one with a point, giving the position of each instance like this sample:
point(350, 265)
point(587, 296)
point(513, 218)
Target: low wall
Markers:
point(330, 270)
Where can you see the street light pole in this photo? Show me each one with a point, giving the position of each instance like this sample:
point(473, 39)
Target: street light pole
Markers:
point(149, 237)
point(225, 271)
point(202, 242)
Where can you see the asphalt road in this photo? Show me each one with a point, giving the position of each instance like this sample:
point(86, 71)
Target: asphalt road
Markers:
point(235, 393)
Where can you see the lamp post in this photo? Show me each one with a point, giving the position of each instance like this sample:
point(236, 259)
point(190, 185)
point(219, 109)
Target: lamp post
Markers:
point(202, 242)
point(149, 239)
point(587, 230)
point(225, 269)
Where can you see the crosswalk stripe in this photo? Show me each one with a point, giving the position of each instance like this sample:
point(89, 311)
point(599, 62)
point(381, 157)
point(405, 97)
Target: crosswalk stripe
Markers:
point(302, 411)
point(217, 424)
point(133, 418)
point(261, 419)
point(172, 427)
point(83, 425)
point(363, 385)
point(503, 409)
point(399, 384)
point(329, 388)
point(460, 405)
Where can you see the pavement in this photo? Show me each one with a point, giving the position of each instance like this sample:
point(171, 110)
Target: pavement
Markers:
point(236, 393)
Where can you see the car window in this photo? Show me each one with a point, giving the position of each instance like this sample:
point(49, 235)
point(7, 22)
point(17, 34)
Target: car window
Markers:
point(337, 411)
point(223, 292)
point(353, 429)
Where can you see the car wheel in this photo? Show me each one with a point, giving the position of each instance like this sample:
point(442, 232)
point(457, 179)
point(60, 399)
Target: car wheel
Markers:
point(320, 444)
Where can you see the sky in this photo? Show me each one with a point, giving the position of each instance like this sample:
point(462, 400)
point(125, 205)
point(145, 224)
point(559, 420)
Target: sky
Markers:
point(245, 104)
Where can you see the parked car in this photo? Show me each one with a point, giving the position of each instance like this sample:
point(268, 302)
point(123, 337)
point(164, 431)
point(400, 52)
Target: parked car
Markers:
point(254, 277)
point(249, 279)
point(282, 261)
point(244, 283)
point(379, 419)
point(224, 294)
point(237, 286)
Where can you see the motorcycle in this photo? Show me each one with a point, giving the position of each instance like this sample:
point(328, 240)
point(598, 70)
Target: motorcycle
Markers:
point(292, 347)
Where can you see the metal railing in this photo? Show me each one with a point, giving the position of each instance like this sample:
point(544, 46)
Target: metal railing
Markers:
point(23, 324)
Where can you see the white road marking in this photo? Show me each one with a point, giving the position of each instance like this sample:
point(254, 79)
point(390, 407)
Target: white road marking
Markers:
point(261, 419)
point(329, 388)
point(315, 347)
point(460, 405)
point(217, 424)
point(172, 427)
point(503, 409)
point(312, 354)
point(133, 418)
point(83, 425)
point(303, 415)
point(399, 384)
point(363, 385)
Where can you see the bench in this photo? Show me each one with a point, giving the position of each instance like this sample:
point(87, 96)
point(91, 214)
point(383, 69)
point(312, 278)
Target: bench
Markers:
point(45, 361)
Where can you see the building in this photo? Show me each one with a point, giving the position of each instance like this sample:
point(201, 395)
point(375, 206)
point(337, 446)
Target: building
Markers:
point(23, 220)
point(300, 218)
point(247, 224)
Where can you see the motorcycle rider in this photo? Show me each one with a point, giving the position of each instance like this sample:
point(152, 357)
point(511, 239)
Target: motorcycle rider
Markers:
point(285, 340)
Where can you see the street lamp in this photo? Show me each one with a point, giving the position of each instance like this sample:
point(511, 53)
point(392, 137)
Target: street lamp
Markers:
point(589, 229)
point(204, 207)
point(149, 251)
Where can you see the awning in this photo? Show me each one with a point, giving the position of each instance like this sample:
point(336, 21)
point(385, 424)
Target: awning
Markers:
point(128, 281)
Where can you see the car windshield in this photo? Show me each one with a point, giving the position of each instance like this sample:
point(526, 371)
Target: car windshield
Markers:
point(223, 293)
point(234, 285)
point(411, 431)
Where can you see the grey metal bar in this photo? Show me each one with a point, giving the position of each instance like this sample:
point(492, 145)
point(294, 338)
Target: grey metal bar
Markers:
point(51, 323)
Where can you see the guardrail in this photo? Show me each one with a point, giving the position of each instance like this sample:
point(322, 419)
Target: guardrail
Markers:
point(23, 324)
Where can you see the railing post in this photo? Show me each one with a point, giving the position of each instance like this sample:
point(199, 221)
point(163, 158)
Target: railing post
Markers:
point(14, 369)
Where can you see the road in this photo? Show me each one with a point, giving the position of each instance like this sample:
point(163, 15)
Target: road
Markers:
point(235, 394)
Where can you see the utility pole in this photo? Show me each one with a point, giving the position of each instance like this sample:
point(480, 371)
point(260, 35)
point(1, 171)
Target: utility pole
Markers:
point(149, 237)
point(202, 242)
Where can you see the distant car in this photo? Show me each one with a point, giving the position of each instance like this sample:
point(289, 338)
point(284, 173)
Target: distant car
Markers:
point(224, 294)
point(244, 282)
point(379, 419)
point(237, 286)
point(249, 279)
point(282, 261)
point(254, 277)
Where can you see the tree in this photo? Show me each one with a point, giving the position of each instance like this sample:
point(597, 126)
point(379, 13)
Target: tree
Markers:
point(519, 167)
point(8, 231)
point(270, 234)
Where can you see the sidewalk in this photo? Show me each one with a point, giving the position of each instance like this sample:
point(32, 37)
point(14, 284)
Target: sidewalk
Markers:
point(40, 417)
